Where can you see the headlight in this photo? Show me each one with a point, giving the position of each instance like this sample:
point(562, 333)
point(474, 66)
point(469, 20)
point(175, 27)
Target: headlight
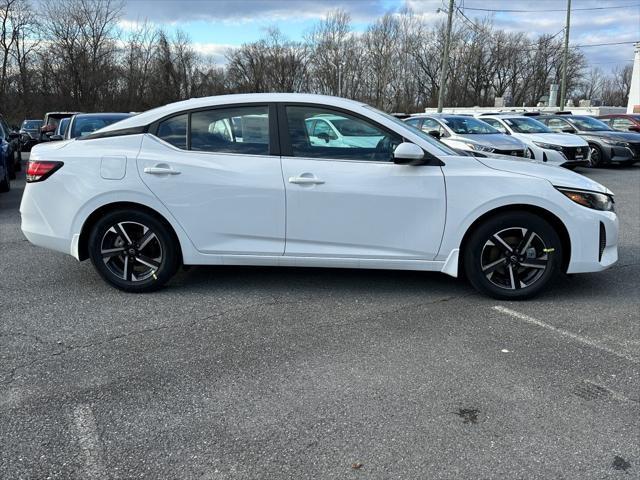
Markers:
point(595, 200)
point(615, 143)
point(480, 148)
point(548, 146)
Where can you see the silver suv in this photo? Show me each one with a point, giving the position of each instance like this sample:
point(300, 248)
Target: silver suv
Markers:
point(467, 133)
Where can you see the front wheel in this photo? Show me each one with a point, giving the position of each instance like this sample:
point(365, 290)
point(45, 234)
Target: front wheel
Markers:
point(513, 256)
point(596, 156)
point(133, 250)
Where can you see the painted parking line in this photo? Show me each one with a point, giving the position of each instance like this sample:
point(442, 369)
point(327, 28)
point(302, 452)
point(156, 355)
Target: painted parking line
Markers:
point(565, 333)
point(85, 427)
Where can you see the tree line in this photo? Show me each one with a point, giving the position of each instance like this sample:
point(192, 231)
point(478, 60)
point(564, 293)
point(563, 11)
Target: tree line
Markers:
point(72, 55)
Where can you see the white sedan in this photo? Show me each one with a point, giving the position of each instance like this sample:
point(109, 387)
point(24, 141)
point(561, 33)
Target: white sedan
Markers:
point(165, 188)
point(545, 145)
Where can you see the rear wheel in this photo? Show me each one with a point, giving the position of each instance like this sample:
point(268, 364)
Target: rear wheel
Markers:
point(513, 256)
point(133, 251)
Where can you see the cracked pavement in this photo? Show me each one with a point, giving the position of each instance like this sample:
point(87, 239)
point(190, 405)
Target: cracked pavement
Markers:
point(237, 372)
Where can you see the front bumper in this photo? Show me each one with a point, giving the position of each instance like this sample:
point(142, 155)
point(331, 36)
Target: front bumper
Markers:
point(595, 247)
point(624, 154)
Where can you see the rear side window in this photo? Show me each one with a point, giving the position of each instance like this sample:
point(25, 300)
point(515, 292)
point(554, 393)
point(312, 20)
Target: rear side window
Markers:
point(243, 130)
point(174, 131)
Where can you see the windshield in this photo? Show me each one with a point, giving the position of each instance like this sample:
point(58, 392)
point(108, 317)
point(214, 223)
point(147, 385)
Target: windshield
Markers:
point(425, 136)
point(589, 124)
point(31, 124)
point(526, 125)
point(86, 124)
point(468, 126)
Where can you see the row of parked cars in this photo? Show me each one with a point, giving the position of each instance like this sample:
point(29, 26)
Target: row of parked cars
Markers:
point(55, 126)
point(560, 139)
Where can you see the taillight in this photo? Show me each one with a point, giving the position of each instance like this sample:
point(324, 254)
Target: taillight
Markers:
point(39, 170)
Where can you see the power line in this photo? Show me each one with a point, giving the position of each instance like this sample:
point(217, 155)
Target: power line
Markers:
point(497, 10)
point(602, 44)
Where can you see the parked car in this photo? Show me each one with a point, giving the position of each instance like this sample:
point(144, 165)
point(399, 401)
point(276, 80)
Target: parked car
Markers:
point(337, 131)
point(623, 122)
point(61, 129)
point(161, 189)
point(5, 177)
point(467, 133)
point(51, 121)
point(607, 146)
point(29, 134)
point(12, 139)
point(561, 149)
point(83, 124)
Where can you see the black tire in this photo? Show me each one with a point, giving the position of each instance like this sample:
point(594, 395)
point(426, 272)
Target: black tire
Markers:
point(154, 263)
point(5, 183)
point(18, 155)
point(597, 159)
point(492, 276)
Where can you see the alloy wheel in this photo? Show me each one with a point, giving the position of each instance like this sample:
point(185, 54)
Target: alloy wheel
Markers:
point(595, 156)
point(131, 251)
point(514, 258)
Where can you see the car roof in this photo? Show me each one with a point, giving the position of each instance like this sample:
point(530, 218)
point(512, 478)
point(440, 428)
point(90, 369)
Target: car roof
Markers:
point(504, 117)
point(441, 115)
point(150, 116)
point(101, 114)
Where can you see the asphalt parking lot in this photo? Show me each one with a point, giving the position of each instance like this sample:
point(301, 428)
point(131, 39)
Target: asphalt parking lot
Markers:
point(312, 373)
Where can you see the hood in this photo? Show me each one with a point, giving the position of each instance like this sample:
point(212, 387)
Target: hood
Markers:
point(557, 176)
point(614, 135)
point(498, 141)
point(562, 139)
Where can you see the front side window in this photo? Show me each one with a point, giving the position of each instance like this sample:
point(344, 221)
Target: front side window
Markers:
point(243, 130)
point(356, 138)
point(174, 131)
point(495, 124)
point(622, 123)
point(557, 124)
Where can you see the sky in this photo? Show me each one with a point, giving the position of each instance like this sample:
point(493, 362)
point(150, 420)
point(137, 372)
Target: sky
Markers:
point(218, 25)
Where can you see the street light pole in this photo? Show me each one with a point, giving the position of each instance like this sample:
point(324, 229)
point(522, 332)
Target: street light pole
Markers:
point(565, 60)
point(445, 58)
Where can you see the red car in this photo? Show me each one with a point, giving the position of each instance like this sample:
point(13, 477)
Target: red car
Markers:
point(622, 121)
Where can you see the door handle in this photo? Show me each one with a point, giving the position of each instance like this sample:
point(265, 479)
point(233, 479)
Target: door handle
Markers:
point(306, 180)
point(161, 171)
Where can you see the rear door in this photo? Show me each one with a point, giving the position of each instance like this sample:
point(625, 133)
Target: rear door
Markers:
point(354, 201)
point(218, 172)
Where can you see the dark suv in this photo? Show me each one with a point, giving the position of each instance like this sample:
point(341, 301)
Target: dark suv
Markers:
point(12, 137)
point(607, 146)
point(30, 134)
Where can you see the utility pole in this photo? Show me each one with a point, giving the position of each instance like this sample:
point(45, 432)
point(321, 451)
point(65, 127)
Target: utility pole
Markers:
point(565, 59)
point(445, 58)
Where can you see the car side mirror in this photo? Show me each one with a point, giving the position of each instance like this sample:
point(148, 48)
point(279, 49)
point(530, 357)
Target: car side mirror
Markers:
point(55, 137)
point(435, 133)
point(568, 130)
point(634, 128)
point(324, 136)
point(408, 154)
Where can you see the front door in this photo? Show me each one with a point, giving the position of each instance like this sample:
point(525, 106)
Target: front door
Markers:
point(354, 201)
